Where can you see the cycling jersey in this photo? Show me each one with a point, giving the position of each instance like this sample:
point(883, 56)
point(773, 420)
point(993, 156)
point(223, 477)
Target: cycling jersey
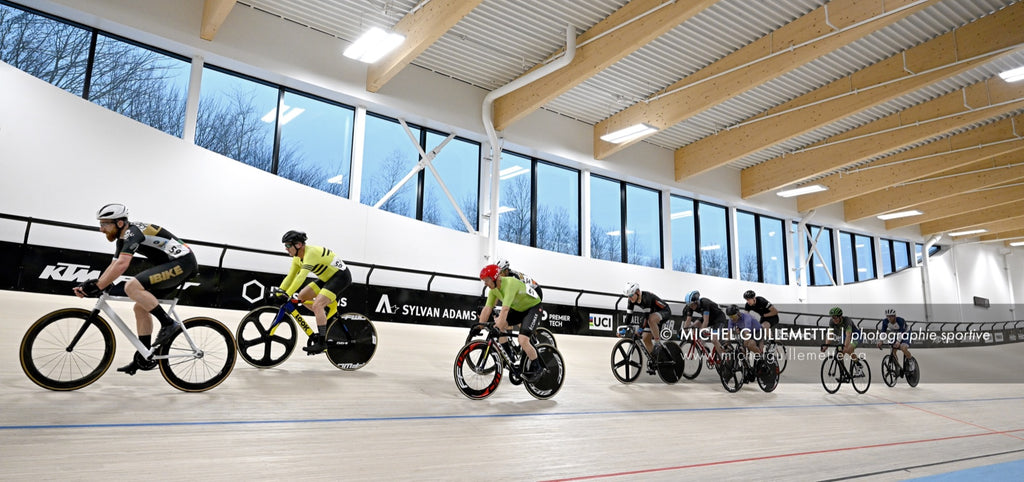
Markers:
point(745, 321)
point(762, 307)
point(649, 303)
point(514, 294)
point(715, 314)
point(317, 260)
point(523, 277)
point(155, 243)
point(844, 327)
point(901, 329)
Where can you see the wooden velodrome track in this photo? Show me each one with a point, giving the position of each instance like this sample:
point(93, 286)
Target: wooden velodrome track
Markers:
point(401, 417)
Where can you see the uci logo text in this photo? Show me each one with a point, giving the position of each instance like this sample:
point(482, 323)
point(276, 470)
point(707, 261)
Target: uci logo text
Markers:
point(601, 322)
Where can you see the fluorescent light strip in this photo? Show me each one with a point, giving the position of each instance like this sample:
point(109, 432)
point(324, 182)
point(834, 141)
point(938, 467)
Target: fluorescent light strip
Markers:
point(901, 214)
point(1013, 75)
point(802, 190)
point(1017, 243)
point(373, 45)
point(632, 132)
point(971, 231)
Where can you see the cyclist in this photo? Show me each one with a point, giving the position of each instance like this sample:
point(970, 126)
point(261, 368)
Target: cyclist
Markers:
point(740, 322)
point(847, 332)
point(520, 306)
point(710, 313)
point(901, 338)
point(333, 277)
point(174, 263)
point(764, 309)
point(503, 264)
point(650, 304)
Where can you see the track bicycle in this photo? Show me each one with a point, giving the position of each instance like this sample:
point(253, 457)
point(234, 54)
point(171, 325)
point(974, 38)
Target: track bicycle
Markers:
point(540, 335)
point(736, 369)
point(629, 353)
point(892, 371)
point(480, 363)
point(267, 336)
point(780, 353)
point(834, 372)
point(696, 354)
point(71, 348)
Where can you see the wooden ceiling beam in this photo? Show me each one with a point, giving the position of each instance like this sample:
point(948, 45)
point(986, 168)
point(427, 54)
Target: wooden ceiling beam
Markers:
point(796, 167)
point(421, 29)
point(215, 12)
point(975, 218)
point(997, 227)
point(617, 36)
point(1007, 234)
point(937, 59)
point(960, 204)
point(757, 63)
point(908, 195)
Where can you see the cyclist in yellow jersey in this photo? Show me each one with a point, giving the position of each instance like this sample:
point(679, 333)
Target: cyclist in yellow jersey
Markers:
point(520, 305)
point(333, 277)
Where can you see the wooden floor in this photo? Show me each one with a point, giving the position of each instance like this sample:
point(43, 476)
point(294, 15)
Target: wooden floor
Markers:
point(401, 417)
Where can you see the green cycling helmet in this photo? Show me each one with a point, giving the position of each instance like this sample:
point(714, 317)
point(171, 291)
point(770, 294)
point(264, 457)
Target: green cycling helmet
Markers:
point(837, 311)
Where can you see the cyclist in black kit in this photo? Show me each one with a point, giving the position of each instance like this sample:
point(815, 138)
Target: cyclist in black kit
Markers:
point(710, 313)
point(174, 264)
point(506, 270)
point(764, 308)
point(649, 303)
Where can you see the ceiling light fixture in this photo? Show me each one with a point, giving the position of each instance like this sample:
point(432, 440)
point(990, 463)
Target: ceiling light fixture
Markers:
point(969, 231)
point(1017, 243)
point(1013, 75)
point(373, 45)
point(901, 214)
point(632, 132)
point(802, 190)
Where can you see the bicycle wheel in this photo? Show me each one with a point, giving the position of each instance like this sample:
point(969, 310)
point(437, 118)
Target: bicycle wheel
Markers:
point(351, 341)
point(830, 374)
point(890, 371)
point(863, 381)
point(543, 336)
point(767, 374)
point(627, 362)
point(913, 371)
point(730, 371)
point(778, 350)
point(550, 382)
point(67, 349)
point(479, 379)
point(204, 367)
point(255, 343)
point(670, 363)
point(692, 360)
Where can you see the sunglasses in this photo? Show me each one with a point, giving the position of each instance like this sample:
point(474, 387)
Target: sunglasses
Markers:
point(107, 223)
point(289, 245)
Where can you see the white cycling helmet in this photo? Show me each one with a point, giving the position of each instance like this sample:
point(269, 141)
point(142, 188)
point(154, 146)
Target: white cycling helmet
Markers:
point(501, 263)
point(631, 288)
point(112, 211)
point(890, 312)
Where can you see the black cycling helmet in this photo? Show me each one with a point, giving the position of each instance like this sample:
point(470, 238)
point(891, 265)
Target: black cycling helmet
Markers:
point(732, 310)
point(294, 237)
point(749, 295)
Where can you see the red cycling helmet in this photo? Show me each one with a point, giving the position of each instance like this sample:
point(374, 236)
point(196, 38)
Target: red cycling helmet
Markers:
point(490, 271)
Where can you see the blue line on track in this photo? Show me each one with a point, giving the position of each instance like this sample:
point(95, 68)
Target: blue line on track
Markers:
point(494, 415)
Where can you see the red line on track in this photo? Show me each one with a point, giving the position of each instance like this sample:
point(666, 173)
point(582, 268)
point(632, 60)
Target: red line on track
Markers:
point(779, 456)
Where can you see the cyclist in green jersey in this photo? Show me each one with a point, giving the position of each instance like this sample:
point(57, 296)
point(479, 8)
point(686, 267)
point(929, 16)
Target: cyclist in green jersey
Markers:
point(520, 306)
point(846, 332)
point(333, 277)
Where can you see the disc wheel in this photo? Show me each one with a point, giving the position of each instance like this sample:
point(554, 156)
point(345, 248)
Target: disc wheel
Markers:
point(890, 370)
point(913, 372)
point(692, 360)
point(255, 343)
point(861, 382)
point(670, 363)
point(543, 336)
point(67, 349)
point(830, 374)
point(627, 362)
point(550, 381)
point(480, 378)
point(351, 341)
point(767, 373)
point(778, 350)
point(207, 364)
point(730, 371)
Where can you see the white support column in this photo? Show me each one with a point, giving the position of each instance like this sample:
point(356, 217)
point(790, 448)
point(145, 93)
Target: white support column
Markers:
point(666, 228)
point(585, 208)
point(734, 244)
point(355, 183)
point(195, 81)
point(837, 252)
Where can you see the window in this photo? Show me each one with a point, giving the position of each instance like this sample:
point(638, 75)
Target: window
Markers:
point(713, 240)
point(684, 237)
point(885, 246)
point(896, 255)
point(919, 247)
point(140, 83)
point(51, 50)
point(458, 164)
point(316, 143)
point(389, 155)
point(762, 248)
point(237, 118)
point(605, 219)
point(643, 226)
point(821, 261)
point(515, 212)
point(858, 258)
point(558, 208)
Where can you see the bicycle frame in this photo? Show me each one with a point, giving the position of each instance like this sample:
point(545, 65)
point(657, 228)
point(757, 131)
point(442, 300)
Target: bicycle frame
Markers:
point(102, 305)
point(710, 356)
point(292, 309)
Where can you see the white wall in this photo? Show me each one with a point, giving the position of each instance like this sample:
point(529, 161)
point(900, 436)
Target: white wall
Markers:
point(90, 156)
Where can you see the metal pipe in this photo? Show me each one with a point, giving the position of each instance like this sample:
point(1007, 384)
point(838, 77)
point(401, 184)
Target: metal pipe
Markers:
point(926, 285)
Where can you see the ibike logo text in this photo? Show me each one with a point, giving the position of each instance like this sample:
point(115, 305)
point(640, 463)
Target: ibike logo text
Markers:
point(601, 322)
